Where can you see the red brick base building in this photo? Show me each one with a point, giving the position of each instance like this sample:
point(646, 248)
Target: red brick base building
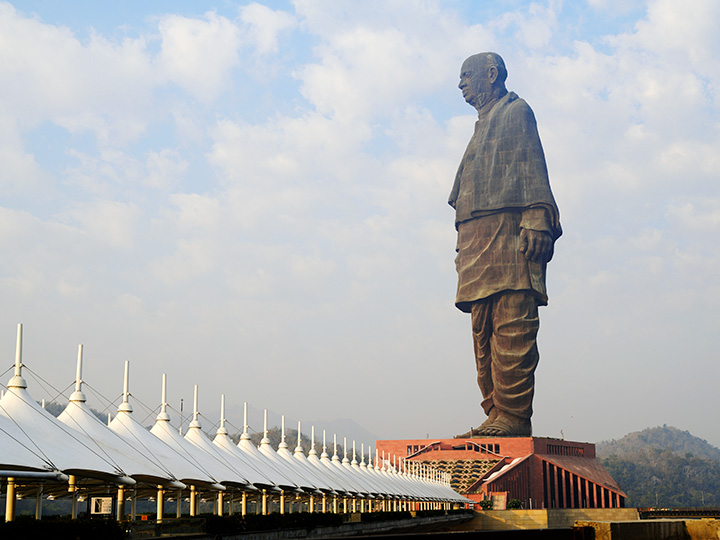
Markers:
point(539, 472)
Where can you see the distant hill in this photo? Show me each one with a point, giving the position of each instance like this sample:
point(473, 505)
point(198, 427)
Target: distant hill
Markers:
point(665, 467)
point(56, 410)
point(664, 438)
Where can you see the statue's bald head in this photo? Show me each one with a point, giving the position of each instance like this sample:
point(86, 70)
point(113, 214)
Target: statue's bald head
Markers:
point(482, 78)
point(483, 61)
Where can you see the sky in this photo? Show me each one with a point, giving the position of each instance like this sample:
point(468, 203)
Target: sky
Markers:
point(252, 197)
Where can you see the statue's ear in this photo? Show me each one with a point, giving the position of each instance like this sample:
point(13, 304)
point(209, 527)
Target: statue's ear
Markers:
point(492, 74)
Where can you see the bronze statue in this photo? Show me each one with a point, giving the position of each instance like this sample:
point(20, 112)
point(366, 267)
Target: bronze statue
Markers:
point(507, 223)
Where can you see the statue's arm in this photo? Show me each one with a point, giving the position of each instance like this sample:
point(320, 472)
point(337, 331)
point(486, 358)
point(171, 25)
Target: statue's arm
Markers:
point(536, 240)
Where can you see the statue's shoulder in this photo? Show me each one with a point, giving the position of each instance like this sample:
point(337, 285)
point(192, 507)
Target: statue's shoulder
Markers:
point(517, 108)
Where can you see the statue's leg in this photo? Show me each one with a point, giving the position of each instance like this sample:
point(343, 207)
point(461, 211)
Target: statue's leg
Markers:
point(482, 332)
point(514, 359)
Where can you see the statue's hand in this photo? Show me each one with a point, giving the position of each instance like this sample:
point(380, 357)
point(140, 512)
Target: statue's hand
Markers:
point(536, 245)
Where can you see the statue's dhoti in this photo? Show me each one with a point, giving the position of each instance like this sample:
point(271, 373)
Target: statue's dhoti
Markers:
point(504, 327)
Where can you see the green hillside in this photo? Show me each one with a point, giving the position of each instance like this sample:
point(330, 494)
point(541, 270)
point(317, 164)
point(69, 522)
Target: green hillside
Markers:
point(665, 467)
point(663, 438)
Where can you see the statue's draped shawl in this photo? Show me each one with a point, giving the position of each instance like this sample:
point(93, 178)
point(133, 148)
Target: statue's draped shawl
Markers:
point(504, 166)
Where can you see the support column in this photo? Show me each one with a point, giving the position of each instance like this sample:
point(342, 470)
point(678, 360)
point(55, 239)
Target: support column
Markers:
point(178, 505)
point(120, 514)
point(39, 502)
point(160, 504)
point(282, 501)
point(345, 507)
point(335, 504)
point(324, 503)
point(220, 503)
point(193, 501)
point(72, 488)
point(243, 507)
point(264, 502)
point(10, 500)
point(232, 503)
point(133, 506)
point(311, 504)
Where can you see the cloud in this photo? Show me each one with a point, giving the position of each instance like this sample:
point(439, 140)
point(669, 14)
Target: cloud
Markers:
point(198, 54)
point(22, 174)
point(366, 67)
point(534, 28)
point(704, 215)
point(264, 26)
point(165, 168)
point(49, 73)
point(106, 222)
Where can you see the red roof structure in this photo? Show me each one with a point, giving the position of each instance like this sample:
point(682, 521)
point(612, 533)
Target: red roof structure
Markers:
point(539, 472)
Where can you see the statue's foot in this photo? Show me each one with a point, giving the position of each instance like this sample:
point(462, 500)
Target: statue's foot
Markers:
point(475, 432)
point(506, 425)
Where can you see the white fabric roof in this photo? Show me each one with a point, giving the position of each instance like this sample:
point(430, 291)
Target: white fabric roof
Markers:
point(130, 459)
point(181, 467)
point(77, 443)
point(64, 448)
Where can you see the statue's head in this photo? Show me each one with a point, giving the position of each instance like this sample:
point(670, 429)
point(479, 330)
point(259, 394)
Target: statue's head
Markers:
point(482, 78)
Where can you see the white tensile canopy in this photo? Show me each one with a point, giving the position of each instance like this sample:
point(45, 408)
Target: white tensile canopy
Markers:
point(63, 448)
point(36, 445)
point(182, 468)
point(196, 437)
point(131, 459)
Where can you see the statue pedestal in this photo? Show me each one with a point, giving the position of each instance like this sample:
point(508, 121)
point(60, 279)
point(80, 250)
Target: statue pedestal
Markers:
point(540, 472)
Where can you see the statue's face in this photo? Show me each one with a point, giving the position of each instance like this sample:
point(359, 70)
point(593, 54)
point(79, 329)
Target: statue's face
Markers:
point(475, 81)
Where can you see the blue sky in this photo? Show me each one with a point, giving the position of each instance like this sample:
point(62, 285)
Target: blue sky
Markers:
point(252, 197)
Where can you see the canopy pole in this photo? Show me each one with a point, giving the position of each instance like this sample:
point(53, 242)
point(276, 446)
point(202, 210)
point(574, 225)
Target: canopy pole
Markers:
point(125, 405)
point(17, 381)
point(121, 503)
point(18, 351)
point(160, 504)
point(195, 422)
point(39, 501)
point(245, 424)
point(133, 505)
point(193, 501)
point(78, 375)
point(222, 410)
point(10, 500)
point(78, 395)
point(72, 488)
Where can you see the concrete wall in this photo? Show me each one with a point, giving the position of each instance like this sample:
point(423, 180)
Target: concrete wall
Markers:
point(655, 529)
point(703, 529)
point(500, 520)
point(497, 520)
point(566, 517)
